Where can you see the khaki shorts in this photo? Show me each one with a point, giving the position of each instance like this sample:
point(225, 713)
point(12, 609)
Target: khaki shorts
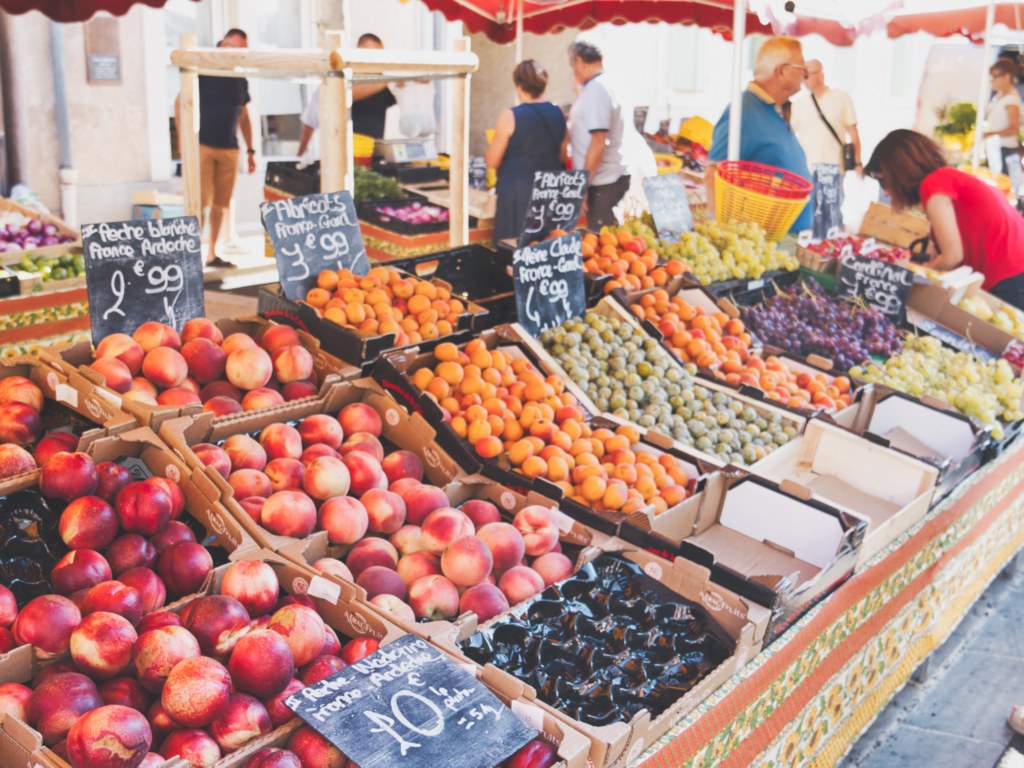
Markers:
point(218, 169)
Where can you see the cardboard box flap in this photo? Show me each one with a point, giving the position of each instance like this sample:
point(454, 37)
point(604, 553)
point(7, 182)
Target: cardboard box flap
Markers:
point(762, 514)
point(944, 435)
point(899, 438)
point(876, 509)
point(27, 737)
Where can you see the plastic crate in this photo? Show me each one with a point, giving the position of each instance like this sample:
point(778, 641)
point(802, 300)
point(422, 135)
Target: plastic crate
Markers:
point(288, 178)
point(476, 274)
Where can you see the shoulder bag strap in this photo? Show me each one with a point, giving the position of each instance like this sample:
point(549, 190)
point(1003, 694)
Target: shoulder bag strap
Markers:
point(825, 120)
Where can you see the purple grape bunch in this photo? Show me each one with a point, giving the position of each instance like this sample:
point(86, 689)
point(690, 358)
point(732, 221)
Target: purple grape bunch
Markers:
point(804, 320)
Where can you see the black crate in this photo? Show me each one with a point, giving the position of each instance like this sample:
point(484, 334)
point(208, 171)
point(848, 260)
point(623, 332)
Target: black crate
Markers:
point(288, 178)
point(747, 291)
point(411, 174)
point(475, 274)
point(368, 212)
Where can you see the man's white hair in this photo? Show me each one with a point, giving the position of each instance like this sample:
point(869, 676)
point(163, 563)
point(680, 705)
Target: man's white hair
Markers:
point(775, 52)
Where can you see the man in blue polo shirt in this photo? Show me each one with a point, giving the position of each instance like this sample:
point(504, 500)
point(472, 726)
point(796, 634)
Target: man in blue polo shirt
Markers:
point(766, 135)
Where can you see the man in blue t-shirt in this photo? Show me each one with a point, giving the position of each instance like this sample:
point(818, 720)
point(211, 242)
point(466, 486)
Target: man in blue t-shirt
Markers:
point(766, 136)
point(222, 114)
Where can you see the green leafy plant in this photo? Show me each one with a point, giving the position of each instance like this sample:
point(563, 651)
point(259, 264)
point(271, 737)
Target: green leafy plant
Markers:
point(960, 119)
point(374, 186)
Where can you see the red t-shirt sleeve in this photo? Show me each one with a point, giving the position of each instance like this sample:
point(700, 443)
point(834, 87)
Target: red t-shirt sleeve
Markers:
point(940, 182)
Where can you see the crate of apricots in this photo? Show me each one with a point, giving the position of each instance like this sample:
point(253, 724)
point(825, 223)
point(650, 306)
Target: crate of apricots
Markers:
point(721, 344)
point(522, 421)
point(624, 261)
point(357, 318)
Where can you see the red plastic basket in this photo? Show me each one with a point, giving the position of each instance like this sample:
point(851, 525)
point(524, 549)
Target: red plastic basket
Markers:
point(765, 179)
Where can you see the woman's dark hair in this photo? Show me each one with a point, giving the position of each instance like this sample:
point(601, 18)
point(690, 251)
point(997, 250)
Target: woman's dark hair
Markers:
point(531, 77)
point(901, 161)
point(1004, 67)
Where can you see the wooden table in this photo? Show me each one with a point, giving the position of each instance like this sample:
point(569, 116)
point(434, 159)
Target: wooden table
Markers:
point(806, 698)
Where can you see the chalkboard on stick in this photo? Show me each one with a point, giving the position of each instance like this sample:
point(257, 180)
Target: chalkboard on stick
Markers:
point(312, 233)
point(142, 270)
point(409, 705)
point(556, 202)
point(666, 197)
point(478, 173)
point(828, 180)
point(548, 278)
point(882, 285)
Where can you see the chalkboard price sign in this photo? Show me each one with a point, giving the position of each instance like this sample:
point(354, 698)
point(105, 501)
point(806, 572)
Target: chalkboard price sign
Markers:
point(312, 233)
point(555, 203)
point(825, 199)
point(478, 173)
point(142, 270)
point(666, 197)
point(409, 705)
point(882, 285)
point(549, 284)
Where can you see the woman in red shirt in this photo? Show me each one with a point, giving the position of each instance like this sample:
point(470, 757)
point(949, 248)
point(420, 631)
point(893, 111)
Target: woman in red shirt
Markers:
point(971, 222)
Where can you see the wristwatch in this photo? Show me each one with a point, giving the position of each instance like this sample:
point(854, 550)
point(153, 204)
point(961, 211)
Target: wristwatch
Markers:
point(253, 152)
point(855, 165)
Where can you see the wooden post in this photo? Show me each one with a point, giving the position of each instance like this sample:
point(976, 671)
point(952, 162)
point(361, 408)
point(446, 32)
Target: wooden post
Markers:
point(335, 126)
point(188, 134)
point(458, 173)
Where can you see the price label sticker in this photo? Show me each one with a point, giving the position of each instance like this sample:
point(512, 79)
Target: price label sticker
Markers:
point(66, 394)
point(530, 714)
point(408, 704)
point(324, 589)
point(805, 238)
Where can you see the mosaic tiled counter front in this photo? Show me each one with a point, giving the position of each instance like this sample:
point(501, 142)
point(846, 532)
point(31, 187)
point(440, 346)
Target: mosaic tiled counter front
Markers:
point(806, 699)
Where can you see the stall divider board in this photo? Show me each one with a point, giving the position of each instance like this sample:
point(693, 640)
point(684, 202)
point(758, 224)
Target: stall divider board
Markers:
point(312, 233)
point(143, 270)
point(408, 704)
point(556, 202)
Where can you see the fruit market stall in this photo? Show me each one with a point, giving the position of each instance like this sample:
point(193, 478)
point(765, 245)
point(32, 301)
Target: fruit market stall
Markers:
point(42, 288)
point(339, 69)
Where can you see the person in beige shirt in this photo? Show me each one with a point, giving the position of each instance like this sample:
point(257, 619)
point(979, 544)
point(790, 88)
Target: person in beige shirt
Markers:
point(819, 143)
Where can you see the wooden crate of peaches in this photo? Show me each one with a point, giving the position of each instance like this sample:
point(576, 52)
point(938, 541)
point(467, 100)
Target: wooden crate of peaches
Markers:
point(387, 301)
point(502, 405)
point(719, 343)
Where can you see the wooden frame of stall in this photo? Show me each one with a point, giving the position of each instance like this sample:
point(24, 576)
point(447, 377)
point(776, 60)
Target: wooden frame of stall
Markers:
point(339, 68)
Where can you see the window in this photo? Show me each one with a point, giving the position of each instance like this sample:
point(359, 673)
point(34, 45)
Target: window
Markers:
point(899, 66)
point(181, 17)
point(682, 58)
point(279, 25)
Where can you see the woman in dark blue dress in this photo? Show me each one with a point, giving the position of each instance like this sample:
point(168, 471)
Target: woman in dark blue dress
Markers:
point(527, 138)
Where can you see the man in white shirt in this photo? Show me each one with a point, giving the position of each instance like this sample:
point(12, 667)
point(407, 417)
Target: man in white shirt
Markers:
point(822, 144)
point(596, 129)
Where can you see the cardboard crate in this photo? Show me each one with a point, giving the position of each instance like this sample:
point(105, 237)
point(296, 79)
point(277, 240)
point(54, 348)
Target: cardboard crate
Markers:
point(71, 360)
point(923, 429)
point(612, 307)
point(410, 433)
point(621, 744)
point(932, 302)
point(358, 348)
point(890, 489)
point(394, 373)
point(887, 226)
point(200, 502)
point(771, 543)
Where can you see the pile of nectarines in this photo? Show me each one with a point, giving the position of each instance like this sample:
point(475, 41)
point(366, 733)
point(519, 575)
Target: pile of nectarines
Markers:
point(387, 301)
point(797, 389)
point(413, 553)
point(144, 686)
point(628, 259)
point(227, 376)
point(500, 405)
point(21, 406)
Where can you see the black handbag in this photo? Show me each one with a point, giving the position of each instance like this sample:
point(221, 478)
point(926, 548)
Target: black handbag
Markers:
point(849, 156)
